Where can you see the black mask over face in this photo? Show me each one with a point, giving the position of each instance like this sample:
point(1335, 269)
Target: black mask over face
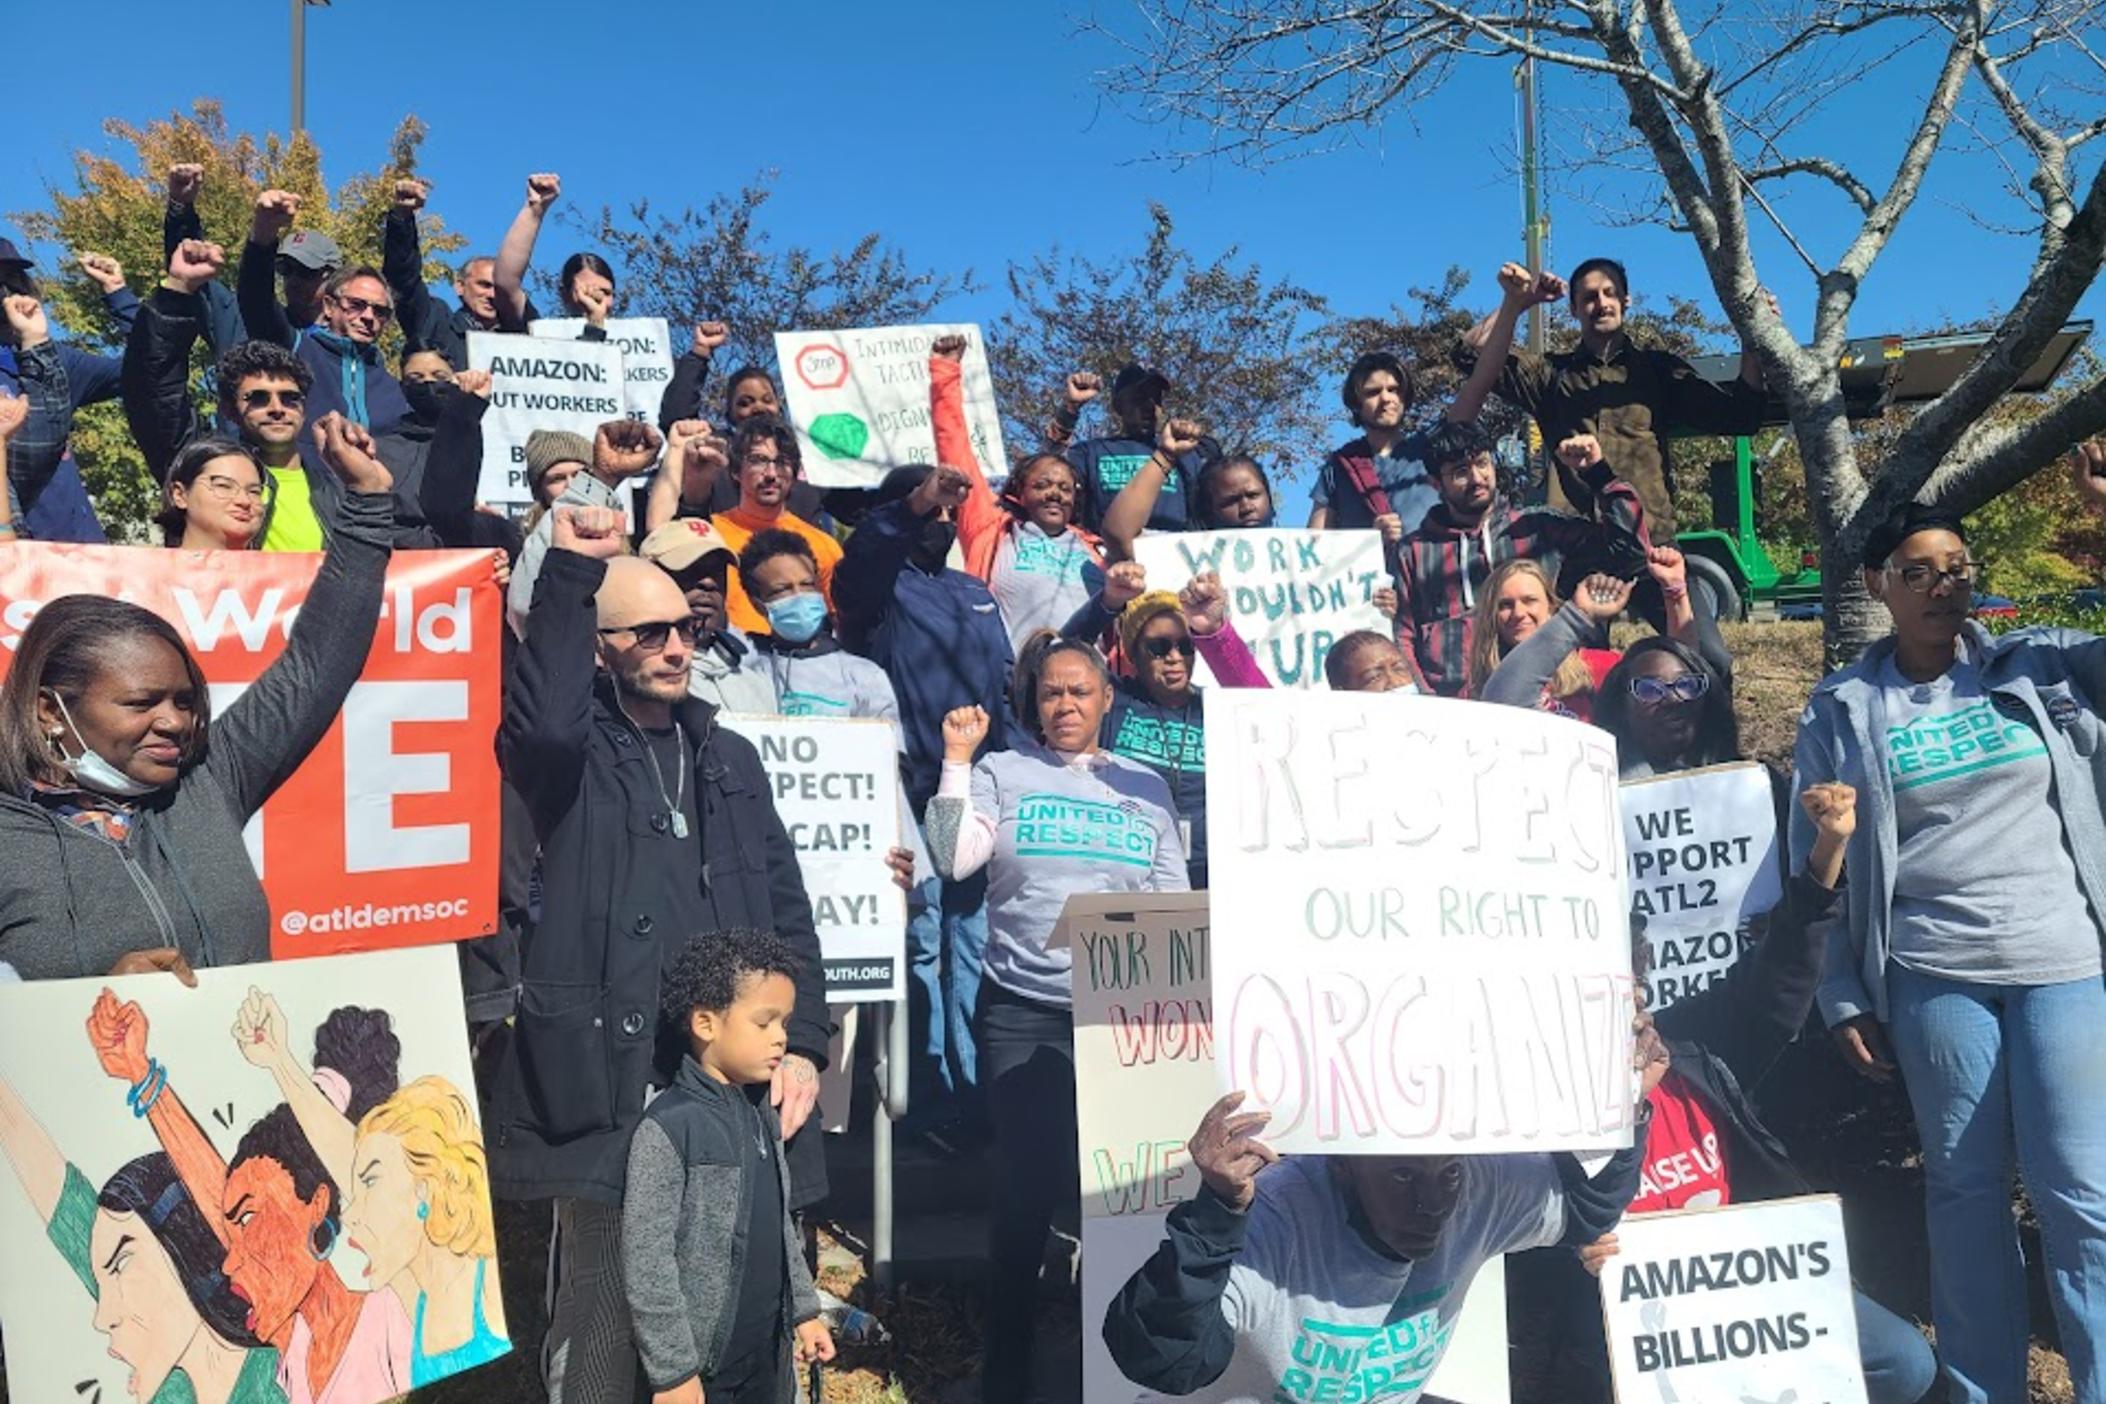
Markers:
point(428, 397)
point(933, 548)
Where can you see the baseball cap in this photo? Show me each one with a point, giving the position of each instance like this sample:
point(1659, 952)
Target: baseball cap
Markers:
point(1134, 377)
point(683, 543)
point(312, 249)
point(10, 254)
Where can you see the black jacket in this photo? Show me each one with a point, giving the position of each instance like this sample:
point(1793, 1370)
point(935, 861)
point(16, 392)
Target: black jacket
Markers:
point(571, 1087)
point(427, 323)
point(436, 468)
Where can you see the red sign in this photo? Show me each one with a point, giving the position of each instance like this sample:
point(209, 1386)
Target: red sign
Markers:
point(823, 367)
point(387, 834)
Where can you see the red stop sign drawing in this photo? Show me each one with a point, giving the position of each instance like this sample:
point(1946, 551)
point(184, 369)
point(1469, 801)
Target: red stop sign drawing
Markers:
point(822, 367)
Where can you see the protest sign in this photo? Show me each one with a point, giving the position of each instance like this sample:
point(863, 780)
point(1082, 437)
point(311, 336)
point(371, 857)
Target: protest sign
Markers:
point(836, 782)
point(181, 1111)
point(860, 401)
point(387, 834)
point(1292, 594)
point(647, 357)
point(1421, 943)
point(1702, 846)
point(539, 383)
point(1144, 1076)
point(1751, 1303)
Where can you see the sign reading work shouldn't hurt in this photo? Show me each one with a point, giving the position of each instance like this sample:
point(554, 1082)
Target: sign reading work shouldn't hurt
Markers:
point(539, 383)
point(1747, 1303)
point(836, 784)
point(647, 358)
point(386, 835)
point(860, 400)
point(1291, 594)
point(1420, 941)
point(1703, 858)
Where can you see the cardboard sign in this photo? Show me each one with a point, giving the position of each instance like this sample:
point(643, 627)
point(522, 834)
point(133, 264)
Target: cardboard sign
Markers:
point(1292, 594)
point(1703, 859)
point(1421, 938)
point(1750, 1303)
point(387, 834)
point(181, 1106)
point(540, 383)
point(647, 357)
point(836, 782)
point(860, 401)
point(1144, 1076)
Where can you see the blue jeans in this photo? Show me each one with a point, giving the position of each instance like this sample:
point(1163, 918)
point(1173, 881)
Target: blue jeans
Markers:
point(1899, 1364)
point(946, 949)
point(1997, 1074)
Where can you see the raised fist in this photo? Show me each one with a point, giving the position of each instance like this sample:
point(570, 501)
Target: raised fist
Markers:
point(1832, 807)
point(275, 212)
point(1517, 283)
point(1205, 602)
point(589, 531)
point(107, 272)
point(1082, 387)
point(708, 337)
point(948, 348)
point(195, 263)
point(964, 728)
point(25, 315)
point(1179, 437)
point(1123, 584)
point(623, 448)
point(944, 487)
point(2087, 464)
point(1550, 288)
point(543, 189)
point(411, 193)
point(1668, 567)
point(117, 1033)
point(1602, 597)
point(1579, 452)
point(185, 179)
point(259, 1030)
point(348, 450)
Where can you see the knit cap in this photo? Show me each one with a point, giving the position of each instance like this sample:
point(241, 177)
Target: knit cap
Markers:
point(1141, 609)
point(545, 448)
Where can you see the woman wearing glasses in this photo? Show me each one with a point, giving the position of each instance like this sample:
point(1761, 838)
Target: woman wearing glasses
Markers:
point(1968, 957)
point(214, 500)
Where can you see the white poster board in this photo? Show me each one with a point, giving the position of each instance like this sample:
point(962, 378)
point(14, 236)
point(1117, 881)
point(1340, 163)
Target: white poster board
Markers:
point(210, 1073)
point(1749, 1303)
point(646, 345)
point(1702, 846)
point(538, 383)
point(1144, 1076)
point(1421, 935)
point(860, 401)
point(836, 783)
point(1292, 594)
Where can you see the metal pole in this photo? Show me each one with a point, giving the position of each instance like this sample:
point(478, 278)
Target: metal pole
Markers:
point(892, 1078)
point(1531, 214)
point(299, 65)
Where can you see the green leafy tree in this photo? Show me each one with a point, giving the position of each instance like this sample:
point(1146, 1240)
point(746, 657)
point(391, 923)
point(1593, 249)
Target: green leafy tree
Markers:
point(115, 206)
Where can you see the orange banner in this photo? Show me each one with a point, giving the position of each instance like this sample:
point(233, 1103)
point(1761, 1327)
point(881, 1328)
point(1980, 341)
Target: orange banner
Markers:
point(387, 835)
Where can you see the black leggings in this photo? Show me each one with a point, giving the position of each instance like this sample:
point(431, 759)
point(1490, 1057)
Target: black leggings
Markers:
point(1027, 1066)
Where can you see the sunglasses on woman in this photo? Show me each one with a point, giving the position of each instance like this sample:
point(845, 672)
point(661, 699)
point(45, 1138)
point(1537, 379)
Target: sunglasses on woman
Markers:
point(1163, 648)
point(1683, 687)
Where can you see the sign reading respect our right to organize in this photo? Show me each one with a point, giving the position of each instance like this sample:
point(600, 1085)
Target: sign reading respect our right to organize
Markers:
point(1750, 1304)
point(1420, 942)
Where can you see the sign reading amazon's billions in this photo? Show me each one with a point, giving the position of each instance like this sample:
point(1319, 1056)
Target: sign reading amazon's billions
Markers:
point(386, 835)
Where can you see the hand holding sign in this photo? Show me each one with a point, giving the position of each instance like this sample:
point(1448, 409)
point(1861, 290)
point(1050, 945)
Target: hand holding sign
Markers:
point(623, 448)
point(146, 962)
point(964, 728)
point(1649, 1058)
point(1391, 526)
point(1228, 1152)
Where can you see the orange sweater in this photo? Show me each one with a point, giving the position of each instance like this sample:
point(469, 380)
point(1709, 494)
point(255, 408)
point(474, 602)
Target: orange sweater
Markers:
point(737, 528)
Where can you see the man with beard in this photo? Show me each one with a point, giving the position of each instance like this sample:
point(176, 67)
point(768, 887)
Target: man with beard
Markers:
point(1473, 531)
point(1631, 398)
point(939, 636)
point(655, 824)
point(765, 463)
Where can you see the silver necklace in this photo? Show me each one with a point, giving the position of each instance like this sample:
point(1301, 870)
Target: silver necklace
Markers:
point(672, 801)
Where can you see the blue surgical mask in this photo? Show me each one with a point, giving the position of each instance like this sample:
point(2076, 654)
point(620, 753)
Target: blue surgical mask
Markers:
point(797, 617)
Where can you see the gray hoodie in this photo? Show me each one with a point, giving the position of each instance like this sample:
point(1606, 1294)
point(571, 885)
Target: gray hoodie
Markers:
point(2054, 678)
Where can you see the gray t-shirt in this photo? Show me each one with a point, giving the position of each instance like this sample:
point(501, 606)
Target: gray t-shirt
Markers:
point(1321, 1315)
point(1038, 580)
point(1985, 889)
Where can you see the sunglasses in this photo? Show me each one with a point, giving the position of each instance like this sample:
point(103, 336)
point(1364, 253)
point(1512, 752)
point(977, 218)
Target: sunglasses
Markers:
point(1685, 687)
point(1163, 648)
point(263, 399)
point(355, 305)
point(651, 637)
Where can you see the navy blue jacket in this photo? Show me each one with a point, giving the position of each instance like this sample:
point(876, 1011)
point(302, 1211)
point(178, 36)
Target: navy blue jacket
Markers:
point(60, 510)
point(937, 635)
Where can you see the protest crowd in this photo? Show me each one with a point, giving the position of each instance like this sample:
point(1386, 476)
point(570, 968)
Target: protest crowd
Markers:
point(650, 1013)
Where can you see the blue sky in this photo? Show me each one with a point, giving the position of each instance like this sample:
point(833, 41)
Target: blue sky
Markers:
point(969, 134)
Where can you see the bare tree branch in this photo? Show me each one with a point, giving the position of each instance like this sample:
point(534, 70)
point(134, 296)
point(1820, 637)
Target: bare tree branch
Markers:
point(2006, 456)
point(1830, 171)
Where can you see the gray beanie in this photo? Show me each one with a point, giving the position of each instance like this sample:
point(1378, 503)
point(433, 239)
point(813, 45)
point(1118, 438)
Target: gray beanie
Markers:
point(545, 448)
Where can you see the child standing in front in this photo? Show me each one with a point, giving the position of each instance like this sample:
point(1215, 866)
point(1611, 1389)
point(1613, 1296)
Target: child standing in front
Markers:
point(719, 1294)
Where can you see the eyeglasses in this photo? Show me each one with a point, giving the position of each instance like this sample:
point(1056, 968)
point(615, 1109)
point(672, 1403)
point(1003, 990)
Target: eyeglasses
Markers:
point(263, 399)
point(651, 637)
point(1683, 687)
point(1163, 648)
point(754, 462)
point(226, 489)
point(1922, 578)
point(355, 305)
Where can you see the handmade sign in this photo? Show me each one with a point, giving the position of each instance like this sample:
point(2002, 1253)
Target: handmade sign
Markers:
point(387, 833)
point(1292, 594)
point(1750, 1303)
point(1420, 936)
point(860, 400)
point(647, 357)
point(836, 782)
point(1702, 846)
point(205, 1180)
point(540, 383)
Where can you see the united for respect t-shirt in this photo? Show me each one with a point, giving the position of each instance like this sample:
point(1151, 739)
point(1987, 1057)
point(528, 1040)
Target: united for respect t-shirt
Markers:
point(1038, 580)
point(1985, 889)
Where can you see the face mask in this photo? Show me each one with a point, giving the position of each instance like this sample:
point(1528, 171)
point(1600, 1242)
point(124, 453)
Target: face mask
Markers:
point(92, 772)
point(428, 397)
point(797, 617)
point(933, 547)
